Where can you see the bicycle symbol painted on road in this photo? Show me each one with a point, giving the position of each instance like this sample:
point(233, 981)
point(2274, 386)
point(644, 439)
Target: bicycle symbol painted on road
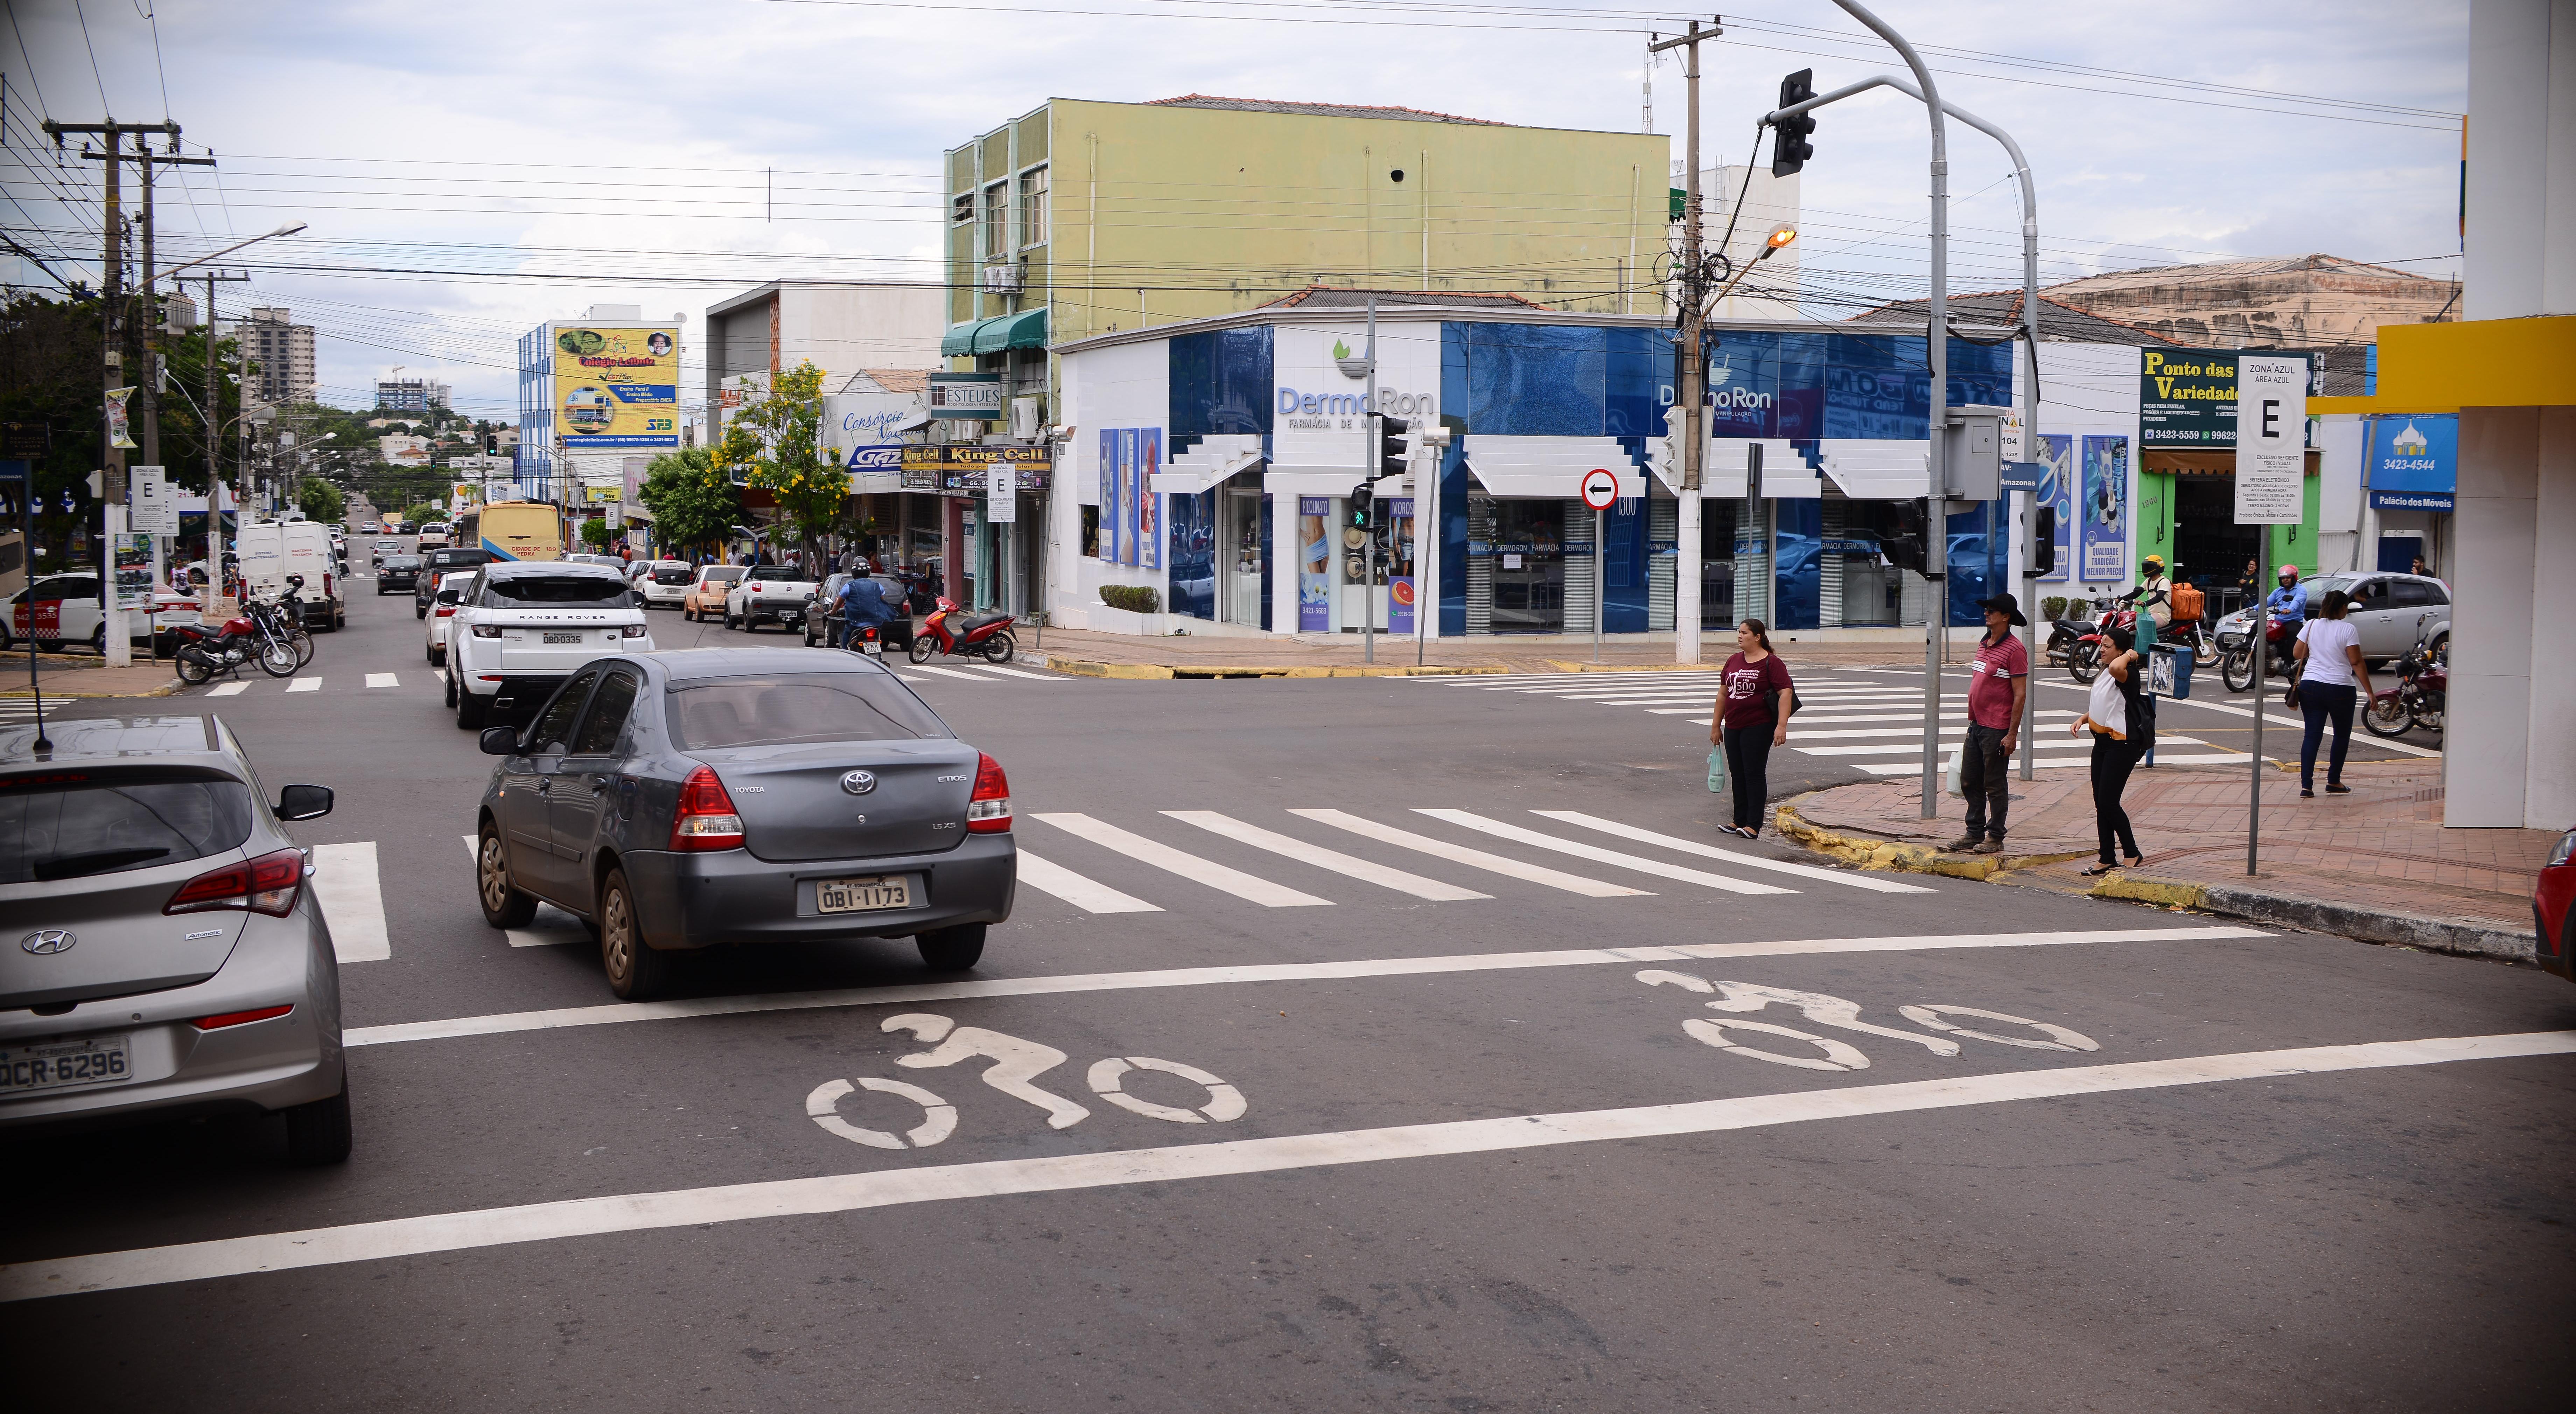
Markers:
point(1739, 998)
point(1016, 1065)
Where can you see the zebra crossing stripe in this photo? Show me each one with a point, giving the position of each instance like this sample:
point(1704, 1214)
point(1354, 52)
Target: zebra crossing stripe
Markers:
point(1350, 865)
point(947, 672)
point(1018, 673)
point(1091, 896)
point(1216, 876)
point(229, 689)
point(305, 685)
point(1581, 850)
point(1845, 877)
point(383, 680)
point(1473, 858)
point(352, 895)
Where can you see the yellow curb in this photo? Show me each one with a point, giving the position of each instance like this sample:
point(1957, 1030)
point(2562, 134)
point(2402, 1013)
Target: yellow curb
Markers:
point(1887, 856)
point(1107, 670)
point(164, 690)
point(1565, 667)
point(2117, 884)
point(1161, 671)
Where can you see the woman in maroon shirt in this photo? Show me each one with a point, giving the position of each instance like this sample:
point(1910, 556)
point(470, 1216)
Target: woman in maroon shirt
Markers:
point(1753, 704)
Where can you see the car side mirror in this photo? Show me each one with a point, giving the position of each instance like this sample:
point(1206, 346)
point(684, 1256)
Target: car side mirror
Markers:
point(304, 802)
point(500, 741)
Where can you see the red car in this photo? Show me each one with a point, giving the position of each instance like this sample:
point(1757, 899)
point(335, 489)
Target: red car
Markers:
point(2553, 909)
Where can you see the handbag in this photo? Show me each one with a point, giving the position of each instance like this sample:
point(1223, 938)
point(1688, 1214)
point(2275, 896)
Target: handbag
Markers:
point(1717, 770)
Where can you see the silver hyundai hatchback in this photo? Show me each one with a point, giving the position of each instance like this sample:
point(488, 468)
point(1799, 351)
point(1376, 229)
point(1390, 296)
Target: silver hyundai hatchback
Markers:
point(163, 956)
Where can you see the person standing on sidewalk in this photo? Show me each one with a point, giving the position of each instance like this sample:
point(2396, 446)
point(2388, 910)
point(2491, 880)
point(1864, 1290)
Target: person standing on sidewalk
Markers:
point(1754, 700)
point(2110, 714)
point(1998, 685)
point(2332, 677)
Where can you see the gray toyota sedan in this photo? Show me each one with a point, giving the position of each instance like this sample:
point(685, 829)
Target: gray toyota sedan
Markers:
point(163, 956)
point(744, 795)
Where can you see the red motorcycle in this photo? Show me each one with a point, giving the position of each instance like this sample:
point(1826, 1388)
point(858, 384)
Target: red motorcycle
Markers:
point(2084, 657)
point(247, 639)
point(943, 634)
point(2422, 694)
point(2236, 658)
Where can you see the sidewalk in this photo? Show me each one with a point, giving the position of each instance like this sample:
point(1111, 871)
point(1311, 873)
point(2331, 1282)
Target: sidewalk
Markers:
point(1091, 653)
point(2375, 864)
point(87, 677)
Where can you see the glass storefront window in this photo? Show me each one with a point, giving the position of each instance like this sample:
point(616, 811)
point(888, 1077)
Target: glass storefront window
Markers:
point(1854, 589)
point(1192, 553)
point(1529, 565)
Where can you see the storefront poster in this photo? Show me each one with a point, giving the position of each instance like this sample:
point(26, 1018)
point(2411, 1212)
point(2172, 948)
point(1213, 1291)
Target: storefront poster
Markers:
point(2414, 462)
point(1399, 588)
point(2057, 487)
point(133, 570)
point(1314, 564)
point(2104, 544)
point(1149, 502)
point(1110, 480)
point(617, 387)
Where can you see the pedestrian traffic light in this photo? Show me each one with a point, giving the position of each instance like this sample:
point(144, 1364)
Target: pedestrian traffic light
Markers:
point(2041, 557)
point(1363, 501)
point(1789, 146)
point(1394, 452)
point(1902, 542)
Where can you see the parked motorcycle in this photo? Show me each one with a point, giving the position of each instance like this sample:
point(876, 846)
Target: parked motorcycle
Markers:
point(943, 634)
point(2422, 693)
point(2084, 657)
point(248, 638)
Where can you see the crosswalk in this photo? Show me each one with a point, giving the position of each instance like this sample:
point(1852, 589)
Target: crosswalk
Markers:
point(1873, 724)
point(980, 672)
point(319, 682)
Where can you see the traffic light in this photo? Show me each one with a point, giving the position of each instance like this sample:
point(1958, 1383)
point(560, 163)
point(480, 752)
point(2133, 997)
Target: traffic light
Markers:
point(1789, 146)
point(2042, 555)
point(1902, 542)
point(1363, 501)
point(1394, 450)
point(491, 444)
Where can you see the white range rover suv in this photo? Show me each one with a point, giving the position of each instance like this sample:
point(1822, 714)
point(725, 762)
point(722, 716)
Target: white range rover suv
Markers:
point(526, 625)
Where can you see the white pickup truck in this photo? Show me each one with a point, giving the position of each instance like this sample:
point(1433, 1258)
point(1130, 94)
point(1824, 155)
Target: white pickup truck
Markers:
point(776, 593)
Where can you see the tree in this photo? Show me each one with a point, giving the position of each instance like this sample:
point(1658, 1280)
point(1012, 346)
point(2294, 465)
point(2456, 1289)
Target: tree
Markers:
point(319, 500)
point(596, 534)
point(419, 511)
point(693, 503)
point(777, 441)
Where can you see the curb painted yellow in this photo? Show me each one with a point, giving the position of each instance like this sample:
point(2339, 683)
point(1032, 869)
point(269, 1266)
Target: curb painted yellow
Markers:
point(2165, 892)
point(1888, 856)
point(1161, 671)
point(55, 693)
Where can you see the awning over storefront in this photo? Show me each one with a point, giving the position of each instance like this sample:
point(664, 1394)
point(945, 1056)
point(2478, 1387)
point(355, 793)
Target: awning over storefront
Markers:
point(1025, 330)
point(1875, 470)
point(1549, 468)
point(1725, 472)
point(1211, 460)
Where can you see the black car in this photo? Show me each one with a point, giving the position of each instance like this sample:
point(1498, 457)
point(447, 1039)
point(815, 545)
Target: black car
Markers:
point(744, 795)
point(822, 622)
point(397, 572)
point(439, 562)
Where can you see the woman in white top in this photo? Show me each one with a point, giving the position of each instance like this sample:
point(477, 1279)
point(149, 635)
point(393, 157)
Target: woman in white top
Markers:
point(2118, 741)
point(2332, 676)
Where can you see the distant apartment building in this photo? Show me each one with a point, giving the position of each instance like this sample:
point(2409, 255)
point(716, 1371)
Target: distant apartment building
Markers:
point(411, 394)
point(838, 326)
point(281, 355)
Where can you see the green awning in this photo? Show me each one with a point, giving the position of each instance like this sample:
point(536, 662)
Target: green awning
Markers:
point(1025, 330)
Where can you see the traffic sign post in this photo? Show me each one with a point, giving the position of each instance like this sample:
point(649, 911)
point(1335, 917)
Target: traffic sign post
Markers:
point(2271, 452)
point(1600, 490)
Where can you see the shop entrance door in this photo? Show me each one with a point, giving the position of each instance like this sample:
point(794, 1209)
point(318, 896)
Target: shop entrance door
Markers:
point(1516, 565)
point(1243, 575)
point(2210, 548)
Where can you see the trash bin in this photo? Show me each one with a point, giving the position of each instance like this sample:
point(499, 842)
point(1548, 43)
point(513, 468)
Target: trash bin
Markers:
point(2169, 670)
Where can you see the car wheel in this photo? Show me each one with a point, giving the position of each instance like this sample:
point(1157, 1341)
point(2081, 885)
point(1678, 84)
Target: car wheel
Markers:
point(951, 949)
point(451, 690)
point(635, 970)
point(318, 1133)
point(504, 906)
point(471, 711)
point(421, 611)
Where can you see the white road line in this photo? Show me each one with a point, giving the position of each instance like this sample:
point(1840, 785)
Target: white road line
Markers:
point(1091, 896)
point(2234, 758)
point(235, 689)
point(305, 685)
point(551, 928)
point(1035, 677)
point(620, 1013)
point(1915, 732)
point(1599, 855)
point(1322, 858)
point(353, 900)
point(1845, 877)
point(897, 1187)
point(2053, 742)
point(1188, 866)
point(386, 679)
point(1472, 858)
point(907, 677)
point(952, 672)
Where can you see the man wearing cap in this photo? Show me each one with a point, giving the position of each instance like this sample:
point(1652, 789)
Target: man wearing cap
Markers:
point(1998, 685)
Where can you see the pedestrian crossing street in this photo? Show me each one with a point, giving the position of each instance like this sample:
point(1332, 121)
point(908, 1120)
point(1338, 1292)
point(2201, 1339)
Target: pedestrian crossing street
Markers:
point(1872, 723)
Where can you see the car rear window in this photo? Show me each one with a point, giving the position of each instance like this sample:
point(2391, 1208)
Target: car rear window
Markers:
point(56, 828)
point(775, 572)
point(588, 590)
point(786, 711)
point(716, 572)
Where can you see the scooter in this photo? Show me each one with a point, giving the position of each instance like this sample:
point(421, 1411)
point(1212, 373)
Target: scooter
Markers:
point(2422, 694)
point(985, 636)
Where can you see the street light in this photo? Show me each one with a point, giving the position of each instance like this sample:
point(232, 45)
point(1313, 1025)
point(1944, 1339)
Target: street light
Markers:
point(227, 250)
point(1772, 245)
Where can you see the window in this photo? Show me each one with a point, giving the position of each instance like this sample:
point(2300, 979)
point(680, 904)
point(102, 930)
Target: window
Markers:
point(607, 716)
point(1033, 206)
point(142, 820)
point(589, 591)
point(961, 208)
point(996, 212)
point(554, 725)
point(2414, 594)
point(782, 711)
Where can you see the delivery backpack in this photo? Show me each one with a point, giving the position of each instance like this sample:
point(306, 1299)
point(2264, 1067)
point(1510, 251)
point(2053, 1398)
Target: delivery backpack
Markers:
point(2188, 602)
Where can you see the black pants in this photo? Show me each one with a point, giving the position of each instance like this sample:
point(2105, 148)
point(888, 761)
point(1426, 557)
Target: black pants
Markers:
point(2321, 702)
point(1985, 778)
point(2113, 760)
point(1748, 764)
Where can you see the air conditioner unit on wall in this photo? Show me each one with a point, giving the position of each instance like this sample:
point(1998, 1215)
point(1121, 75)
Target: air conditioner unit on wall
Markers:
point(1002, 278)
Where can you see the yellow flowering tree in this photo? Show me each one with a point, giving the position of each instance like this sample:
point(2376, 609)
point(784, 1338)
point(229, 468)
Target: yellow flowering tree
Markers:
point(775, 444)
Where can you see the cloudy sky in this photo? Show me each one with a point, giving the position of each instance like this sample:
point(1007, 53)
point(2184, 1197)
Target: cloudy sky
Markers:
point(469, 168)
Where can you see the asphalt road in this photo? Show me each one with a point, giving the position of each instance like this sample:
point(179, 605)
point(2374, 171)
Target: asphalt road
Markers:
point(1530, 1150)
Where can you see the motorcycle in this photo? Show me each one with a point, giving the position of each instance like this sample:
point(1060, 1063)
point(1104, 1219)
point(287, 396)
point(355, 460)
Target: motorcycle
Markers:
point(2084, 655)
point(285, 616)
point(2422, 693)
point(985, 636)
point(2236, 654)
point(249, 638)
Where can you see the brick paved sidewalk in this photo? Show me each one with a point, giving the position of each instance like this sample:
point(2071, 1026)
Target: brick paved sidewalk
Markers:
point(1097, 654)
point(145, 679)
point(2376, 864)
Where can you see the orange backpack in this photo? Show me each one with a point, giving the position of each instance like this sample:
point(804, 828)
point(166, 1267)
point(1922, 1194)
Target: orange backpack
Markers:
point(2188, 601)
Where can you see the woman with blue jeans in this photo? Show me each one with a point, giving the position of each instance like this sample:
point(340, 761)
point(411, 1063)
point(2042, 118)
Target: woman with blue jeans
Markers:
point(2332, 678)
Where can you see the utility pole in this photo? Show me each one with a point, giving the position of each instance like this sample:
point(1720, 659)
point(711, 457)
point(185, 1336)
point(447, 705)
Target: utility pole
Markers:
point(1691, 273)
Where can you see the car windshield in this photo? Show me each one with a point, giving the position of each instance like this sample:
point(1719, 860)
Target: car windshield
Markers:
point(596, 591)
point(717, 572)
point(785, 711)
point(52, 829)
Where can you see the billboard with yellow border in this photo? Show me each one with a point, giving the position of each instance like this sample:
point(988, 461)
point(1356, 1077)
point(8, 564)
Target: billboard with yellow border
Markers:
point(617, 387)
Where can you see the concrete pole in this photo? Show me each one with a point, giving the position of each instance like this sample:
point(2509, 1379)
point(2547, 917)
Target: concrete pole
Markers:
point(1686, 568)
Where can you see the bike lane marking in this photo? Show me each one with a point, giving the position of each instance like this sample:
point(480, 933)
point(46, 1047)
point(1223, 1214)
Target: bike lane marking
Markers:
point(884, 1188)
point(618, 1013)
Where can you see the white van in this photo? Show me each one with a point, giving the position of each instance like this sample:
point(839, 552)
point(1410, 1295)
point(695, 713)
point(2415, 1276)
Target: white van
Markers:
point(272, 550)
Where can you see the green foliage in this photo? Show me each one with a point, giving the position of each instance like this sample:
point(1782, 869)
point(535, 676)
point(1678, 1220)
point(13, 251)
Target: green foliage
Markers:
point(596, 534)
point(1134, 598)
point(776, 441)
point(693, 502)
point(419, 511)
point(319, 500)
point(2053, 607)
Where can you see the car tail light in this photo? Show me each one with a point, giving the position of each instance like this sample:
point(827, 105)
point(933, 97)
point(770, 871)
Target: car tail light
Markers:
point(989, 811)
point(487, 630)
point(706, 818)
point(446, 610)
point(635, 630)
point(267, 885)
point(239, 1018)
